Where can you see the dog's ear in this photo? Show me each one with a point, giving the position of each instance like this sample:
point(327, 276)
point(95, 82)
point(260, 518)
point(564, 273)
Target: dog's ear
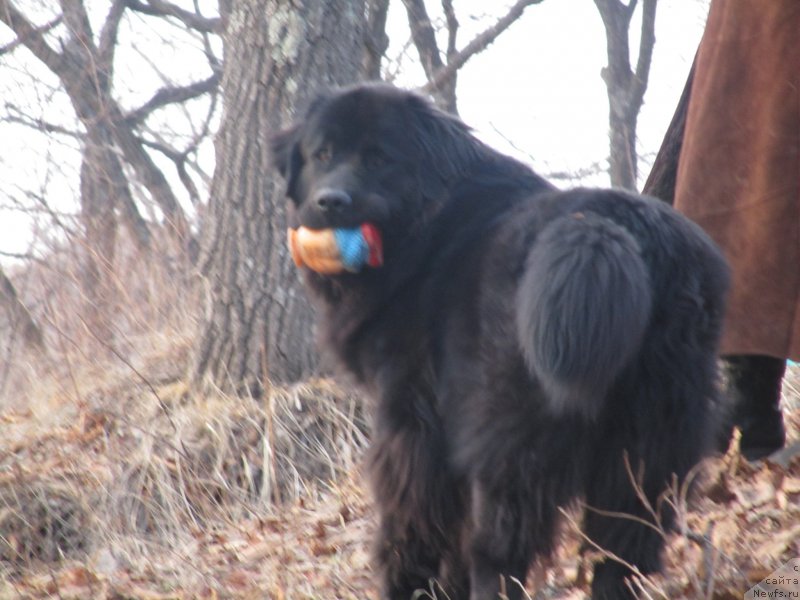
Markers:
point(284, 149)
point(282, 146)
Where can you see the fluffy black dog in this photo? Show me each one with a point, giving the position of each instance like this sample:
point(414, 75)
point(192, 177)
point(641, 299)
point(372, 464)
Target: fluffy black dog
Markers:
point(525, 346)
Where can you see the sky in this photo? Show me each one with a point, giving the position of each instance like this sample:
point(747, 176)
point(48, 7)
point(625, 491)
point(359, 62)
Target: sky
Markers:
point(536, 93)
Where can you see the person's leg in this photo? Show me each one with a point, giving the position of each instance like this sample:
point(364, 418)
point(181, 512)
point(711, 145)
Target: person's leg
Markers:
point(754, 386)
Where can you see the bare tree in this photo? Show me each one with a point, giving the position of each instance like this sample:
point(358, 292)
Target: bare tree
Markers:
point(626, 86)
point(116, 148)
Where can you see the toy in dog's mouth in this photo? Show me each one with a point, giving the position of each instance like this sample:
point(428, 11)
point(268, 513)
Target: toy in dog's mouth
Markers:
point(334, 251)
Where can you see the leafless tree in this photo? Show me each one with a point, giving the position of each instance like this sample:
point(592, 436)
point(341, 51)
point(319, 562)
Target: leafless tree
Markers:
point(118, 145)
point(626, 86)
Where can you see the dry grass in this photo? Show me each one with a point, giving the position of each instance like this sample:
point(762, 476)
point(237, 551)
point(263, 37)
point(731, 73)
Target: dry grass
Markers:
point(158, 488)
point(179, 496)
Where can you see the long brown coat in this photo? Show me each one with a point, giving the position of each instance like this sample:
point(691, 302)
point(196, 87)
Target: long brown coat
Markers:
point(739, 170)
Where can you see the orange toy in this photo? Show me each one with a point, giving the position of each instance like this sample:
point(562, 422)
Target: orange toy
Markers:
point(333, 251)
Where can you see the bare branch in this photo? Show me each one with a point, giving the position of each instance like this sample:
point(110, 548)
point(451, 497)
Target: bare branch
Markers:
point(179, 158)
point(108, 35)
point(452, 28)
point(647, 42)
point(56, 217)
point(21, 118)
point(216, 64)
point(147, 171)
point(477, 45)
point(424, 37)
point(20, 41)
point(160, 8)
point(21, 256)
point(172, 95)
point(30, 36)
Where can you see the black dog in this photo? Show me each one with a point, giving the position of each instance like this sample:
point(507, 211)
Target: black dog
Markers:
point(525, 346)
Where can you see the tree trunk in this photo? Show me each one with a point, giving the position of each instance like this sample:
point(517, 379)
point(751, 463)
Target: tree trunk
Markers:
point(98, 200)
point(18, 315)
point(376, 40)
point(277, 56)
point(625, 86)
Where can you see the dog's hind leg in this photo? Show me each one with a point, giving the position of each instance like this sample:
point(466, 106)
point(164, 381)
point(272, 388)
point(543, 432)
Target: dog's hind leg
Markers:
point(514, 520)
point(657, 428)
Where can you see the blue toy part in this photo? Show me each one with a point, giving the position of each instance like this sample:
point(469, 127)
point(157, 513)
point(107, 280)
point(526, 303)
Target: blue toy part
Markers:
point(353, 248)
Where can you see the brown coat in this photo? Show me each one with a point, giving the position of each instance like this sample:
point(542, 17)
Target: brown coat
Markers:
point(739, 170)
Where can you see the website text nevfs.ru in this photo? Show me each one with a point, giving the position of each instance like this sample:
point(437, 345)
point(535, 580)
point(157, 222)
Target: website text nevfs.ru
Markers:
point(776, 594)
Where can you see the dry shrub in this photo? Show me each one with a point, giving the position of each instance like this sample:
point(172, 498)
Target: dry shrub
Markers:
point(172, 466)
point(149, 301)
point(219, 456)
point(42, 521)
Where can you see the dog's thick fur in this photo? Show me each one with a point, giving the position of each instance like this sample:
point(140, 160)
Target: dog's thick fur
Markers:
point(524, 346)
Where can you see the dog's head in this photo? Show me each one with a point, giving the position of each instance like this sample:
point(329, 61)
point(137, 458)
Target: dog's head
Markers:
point(370, 153)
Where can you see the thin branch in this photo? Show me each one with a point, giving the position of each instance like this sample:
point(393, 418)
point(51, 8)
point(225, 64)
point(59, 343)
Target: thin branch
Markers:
point(21, 118)
point(172, 95)
point(452, 28)
point(179, 158)
point(56, 217)
point(160, 8)
point(108, 35)
point(27, 256)
point(478, 44)
point(216, 65)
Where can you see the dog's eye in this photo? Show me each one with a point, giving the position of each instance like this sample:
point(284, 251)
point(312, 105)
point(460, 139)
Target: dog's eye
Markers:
point(323, 155)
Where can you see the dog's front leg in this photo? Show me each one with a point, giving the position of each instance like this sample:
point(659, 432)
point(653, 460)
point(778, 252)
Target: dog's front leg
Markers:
point(420, 514)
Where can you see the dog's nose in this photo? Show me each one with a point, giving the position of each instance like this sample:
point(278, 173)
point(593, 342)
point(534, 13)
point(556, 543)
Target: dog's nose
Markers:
point(331, 200)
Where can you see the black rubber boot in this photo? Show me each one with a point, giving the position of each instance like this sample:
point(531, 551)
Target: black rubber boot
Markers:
point(754, 385)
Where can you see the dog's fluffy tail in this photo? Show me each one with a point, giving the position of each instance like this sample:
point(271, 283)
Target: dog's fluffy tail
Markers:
point(583, 307)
